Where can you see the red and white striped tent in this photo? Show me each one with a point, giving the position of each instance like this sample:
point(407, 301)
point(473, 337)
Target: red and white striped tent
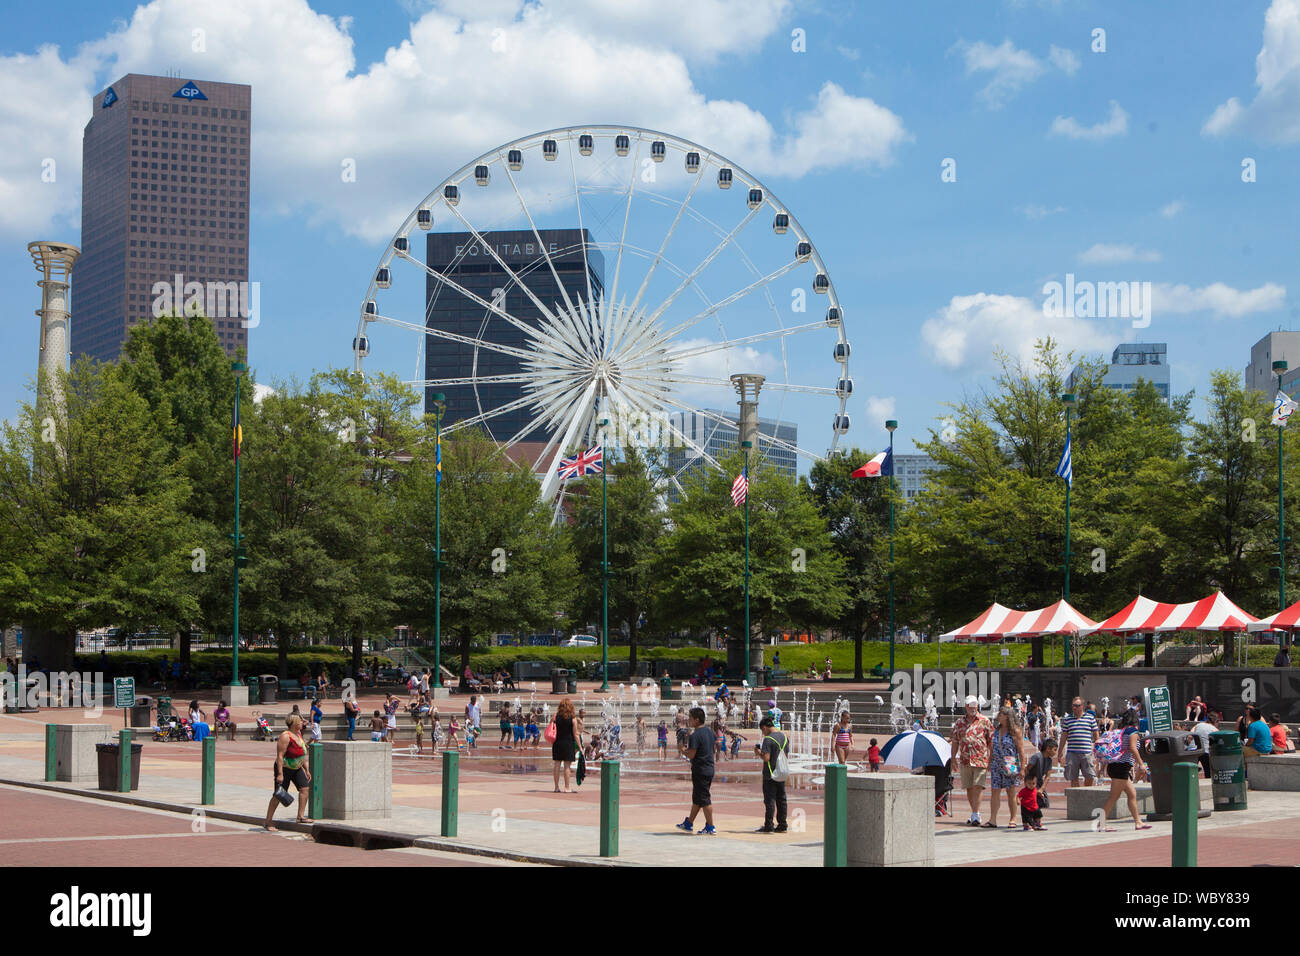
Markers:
point(1212, 613)
point(1284, 620)
point(999, 622)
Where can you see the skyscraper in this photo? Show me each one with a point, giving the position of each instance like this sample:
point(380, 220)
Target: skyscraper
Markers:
point(1133, 362)
point(460, 257)
point(718, 433)
point(165, 183)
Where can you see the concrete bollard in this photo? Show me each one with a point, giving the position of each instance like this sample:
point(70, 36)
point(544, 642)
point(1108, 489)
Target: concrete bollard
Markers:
point(1186, 805)
point(208, 792)
point(891, 820)
point(355, 779)
point(70, 751)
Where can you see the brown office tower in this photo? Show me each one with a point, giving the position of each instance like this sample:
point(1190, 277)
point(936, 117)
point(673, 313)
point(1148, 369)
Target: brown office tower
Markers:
point(164, 211)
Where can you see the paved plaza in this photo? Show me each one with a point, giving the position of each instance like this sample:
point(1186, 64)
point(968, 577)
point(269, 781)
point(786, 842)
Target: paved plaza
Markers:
point(510, 815)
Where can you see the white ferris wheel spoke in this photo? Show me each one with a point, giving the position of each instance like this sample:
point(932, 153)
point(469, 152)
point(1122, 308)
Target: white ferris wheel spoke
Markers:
point(704, 263)
point(678, 355)
point(530, 331)
point(768, 385)
point(664, 245)
point(582, 409)
point(513, 378)
point(530, 399)
point(453, 336)
point(735, 297)
point(612, 295)
point(577, 203)
point(762, 439)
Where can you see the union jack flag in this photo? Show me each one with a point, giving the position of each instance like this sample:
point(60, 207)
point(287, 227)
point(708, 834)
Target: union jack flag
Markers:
point(589, 462)
point(740, 488)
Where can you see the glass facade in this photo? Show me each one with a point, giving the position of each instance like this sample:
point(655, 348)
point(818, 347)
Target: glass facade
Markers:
point(165, 170)
point(460, 257)
point(718, 439)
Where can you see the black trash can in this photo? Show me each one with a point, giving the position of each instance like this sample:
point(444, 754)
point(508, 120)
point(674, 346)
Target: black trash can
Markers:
point(560, 681)
point(1227, 771)
point(108, 756)
point(139, 716)
point(1161, 751)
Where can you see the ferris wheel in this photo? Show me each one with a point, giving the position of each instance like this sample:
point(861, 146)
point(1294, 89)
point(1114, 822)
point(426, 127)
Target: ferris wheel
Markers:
point(593, 277)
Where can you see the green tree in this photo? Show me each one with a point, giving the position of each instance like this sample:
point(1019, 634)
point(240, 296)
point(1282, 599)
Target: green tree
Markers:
point(636, 523)
point(797, 576)
point(91, 507)
point(505, 567)
point(856, 510)
point(177, 365)
point(301, 494)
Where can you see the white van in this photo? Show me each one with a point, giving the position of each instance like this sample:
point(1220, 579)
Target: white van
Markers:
point(582, 640)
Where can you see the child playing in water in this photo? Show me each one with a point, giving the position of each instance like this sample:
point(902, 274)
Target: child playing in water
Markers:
point(736, 741)
point(663, 740)
point(531, 731)
point(873, 756)
point(453, 730)
point(419, 734)
point(435, 733)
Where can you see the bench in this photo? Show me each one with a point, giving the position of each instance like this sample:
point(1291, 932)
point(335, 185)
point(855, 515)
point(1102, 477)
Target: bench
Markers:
point(781, 677)
point(1080, 802)
point(290, 688)
point(1273, 772)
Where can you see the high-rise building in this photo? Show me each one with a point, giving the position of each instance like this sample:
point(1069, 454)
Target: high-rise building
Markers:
point(911, 473)
point(462, 258)
point(718, 438)
point(165, 184)
point(1271, 348)
point(1131, 362)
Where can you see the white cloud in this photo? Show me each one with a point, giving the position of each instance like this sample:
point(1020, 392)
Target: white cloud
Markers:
point(1220, 300)
point(879, 410)
point(1012, 69)
point(260, 392)
point(1102, 254)
point(1274, 113)
point(1041, 212)
point(970, 327)
point(1173, 209)
point(1064, 60)
point(1114, 125)
point(461, 83)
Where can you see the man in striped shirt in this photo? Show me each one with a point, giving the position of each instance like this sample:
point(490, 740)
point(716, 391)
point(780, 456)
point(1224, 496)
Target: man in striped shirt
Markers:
point(1078, 736)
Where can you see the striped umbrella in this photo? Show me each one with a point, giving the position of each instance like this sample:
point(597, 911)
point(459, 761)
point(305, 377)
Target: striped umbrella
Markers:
point(915, 748)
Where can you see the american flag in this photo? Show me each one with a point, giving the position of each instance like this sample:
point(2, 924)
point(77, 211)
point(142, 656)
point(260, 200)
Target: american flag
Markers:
point(740, 488)
point(589, 462)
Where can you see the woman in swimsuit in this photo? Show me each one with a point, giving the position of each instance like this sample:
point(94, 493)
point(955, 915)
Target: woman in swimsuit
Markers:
point(290, 767)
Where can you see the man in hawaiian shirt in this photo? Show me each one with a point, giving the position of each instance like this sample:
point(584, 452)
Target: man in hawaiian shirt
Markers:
point(972, 742)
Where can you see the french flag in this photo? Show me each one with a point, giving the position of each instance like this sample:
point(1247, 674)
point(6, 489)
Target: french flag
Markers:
point(882, 464)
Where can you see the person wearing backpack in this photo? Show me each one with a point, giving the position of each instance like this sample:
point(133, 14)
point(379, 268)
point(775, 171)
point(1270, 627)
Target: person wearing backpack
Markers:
point(1127, 755)
point(775, 750)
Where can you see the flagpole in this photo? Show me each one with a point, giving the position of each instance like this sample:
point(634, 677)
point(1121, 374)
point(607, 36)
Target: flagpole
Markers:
point(890, 426)
point(747, 445)
point(1280, 367)
point(239, 368)
point(604, 561)
point(1070, 402)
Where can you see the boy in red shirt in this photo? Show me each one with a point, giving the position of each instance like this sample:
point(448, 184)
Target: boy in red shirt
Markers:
point(1030, 815)
point(873, 756)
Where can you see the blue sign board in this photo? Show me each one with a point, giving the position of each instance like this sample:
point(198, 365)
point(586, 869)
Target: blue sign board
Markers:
point(190, 92)
point(109, 99)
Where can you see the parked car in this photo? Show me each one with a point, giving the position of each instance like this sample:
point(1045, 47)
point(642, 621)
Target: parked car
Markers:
point(582, 640)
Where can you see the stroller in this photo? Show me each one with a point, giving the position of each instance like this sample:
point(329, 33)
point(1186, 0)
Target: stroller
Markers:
point(262, 728)
point(942, 786)
point(172, 727)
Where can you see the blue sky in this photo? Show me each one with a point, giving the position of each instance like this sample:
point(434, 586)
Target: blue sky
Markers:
point(1124, 165)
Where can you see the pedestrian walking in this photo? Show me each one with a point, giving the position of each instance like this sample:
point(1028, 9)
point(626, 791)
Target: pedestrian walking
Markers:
point(1120, 770)
point(1006, 765)
point(972, 743)
point(351, 711)
point(564, 749)
point(773, 749)
point(699, 750)
point(290, 767)
point(1079, 735)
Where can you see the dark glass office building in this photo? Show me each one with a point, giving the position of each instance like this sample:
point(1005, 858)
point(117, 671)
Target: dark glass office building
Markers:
point(462, 258)
point(165, 182)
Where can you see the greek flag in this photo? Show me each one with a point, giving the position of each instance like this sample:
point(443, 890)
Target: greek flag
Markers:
point(1065, 468)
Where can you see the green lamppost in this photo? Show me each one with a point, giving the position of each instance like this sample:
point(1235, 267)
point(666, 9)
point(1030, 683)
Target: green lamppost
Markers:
point(604, 558)
point(747, 445)
point(439, 406)
point(237, 439)
point(1279, 367)
point(891, 426)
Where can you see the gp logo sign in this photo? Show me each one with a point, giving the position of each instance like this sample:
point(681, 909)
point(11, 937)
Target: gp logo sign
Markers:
point(190, 92)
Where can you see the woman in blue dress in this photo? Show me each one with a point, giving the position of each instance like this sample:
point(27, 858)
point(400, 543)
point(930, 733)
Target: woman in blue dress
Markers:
point(1006, 764)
